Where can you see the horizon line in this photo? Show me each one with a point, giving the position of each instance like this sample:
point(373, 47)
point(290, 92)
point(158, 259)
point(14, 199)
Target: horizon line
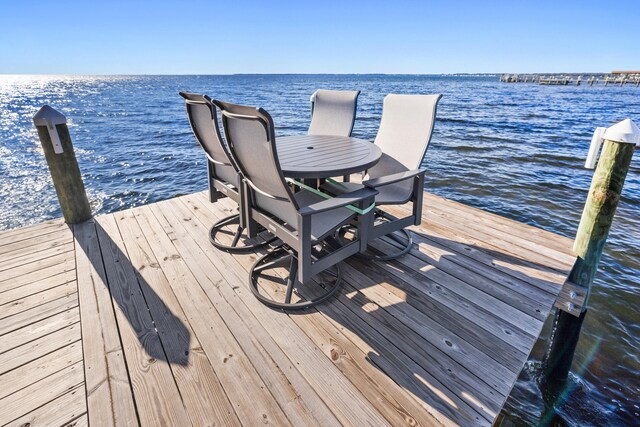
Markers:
point(299, 74)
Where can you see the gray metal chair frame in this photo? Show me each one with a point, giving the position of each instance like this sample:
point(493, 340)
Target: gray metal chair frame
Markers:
point(223, 178)
point(404, 135)
point(303, 221)
point(333, 112)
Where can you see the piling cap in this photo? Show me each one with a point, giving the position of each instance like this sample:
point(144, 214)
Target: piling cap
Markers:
point(625, 131)
point(47, 115)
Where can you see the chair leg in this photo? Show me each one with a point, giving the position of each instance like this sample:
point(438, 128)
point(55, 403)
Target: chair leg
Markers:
point(222, 227)
point(291, 280)
point(272, 293)
point(236, 237)
point(278, 262)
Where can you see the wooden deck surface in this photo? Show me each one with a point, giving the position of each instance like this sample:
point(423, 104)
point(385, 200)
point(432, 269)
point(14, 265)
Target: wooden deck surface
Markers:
point(133, 318)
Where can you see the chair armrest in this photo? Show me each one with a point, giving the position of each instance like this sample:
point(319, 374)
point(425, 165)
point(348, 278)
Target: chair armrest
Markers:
point(393, 178)
point(339, 201)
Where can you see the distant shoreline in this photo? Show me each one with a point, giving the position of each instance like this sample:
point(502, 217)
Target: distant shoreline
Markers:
point(298, 74)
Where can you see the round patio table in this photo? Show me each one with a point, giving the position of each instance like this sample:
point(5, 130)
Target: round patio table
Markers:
point(324, 156)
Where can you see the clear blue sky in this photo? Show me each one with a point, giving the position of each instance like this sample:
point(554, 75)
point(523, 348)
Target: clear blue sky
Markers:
point(271, 36)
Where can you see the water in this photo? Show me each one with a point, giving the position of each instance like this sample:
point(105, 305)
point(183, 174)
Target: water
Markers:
point(513, 149)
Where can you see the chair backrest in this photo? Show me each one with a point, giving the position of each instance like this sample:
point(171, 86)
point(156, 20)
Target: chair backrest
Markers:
point(203, 117)
point(251, 140)
point(333, 112)
point(406, 127)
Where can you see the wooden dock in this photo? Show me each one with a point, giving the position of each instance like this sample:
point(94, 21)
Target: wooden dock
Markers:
point(133, 318)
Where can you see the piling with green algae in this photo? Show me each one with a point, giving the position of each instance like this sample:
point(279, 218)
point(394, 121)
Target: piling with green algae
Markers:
point(597, 217)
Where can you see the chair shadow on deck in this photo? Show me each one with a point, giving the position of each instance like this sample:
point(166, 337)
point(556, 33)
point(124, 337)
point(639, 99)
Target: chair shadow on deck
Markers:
point(419, 336)
point(161, 334)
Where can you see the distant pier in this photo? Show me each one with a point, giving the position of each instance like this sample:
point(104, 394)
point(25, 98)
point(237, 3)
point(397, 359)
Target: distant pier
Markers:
point(615, 78)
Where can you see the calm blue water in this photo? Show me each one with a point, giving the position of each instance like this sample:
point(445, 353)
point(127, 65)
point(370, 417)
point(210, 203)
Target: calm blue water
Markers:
point(513, 149)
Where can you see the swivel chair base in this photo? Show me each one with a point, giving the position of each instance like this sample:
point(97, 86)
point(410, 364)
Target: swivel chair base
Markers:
point(402, 237)
point(226, 226)
point(280, 294)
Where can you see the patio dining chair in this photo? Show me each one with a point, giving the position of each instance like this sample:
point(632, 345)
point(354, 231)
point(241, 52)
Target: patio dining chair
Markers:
point(224, 180)
point(304, 221)
point(333, 112)
point(403, 136)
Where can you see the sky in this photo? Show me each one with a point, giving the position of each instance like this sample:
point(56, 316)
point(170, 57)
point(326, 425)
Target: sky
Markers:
point(328, 36)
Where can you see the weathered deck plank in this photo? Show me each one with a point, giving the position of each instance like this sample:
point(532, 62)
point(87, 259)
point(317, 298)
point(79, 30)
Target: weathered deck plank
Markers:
point(38, 329)
point(108, 390)
point(297, 399)
point(155, 391)
point(40, 368)
point(62, 411)
point(38, 313)
point(63, 264)
point(40, 393)
point(199, 386)
point(35, 349)
point(134, 318)
point(41, 253)
point(38, 286)
point(294, 403)
point(341, 396)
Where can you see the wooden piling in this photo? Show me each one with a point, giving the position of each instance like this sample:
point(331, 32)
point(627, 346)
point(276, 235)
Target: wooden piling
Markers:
point(599, 210)
point(63, 166)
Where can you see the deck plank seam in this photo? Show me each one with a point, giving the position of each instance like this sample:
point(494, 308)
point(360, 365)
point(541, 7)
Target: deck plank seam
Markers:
point(516, 274)
point(15, 255)
point(481, 293)
point(179, 302)
point(451, 221)
point(329, 405)
point(34, 305)
point(422, 240)
point(37, 239)
point(350, 309)
point(69, 389)
point(44, 354)
point(34, 361)
point(437, 218)
point(106, 362)
point(23, 296)
point(68, 423)
point(240, 303)
point(62, 309)
point(261, 376)
point(292, 316)
point(84, 373)
point(49, 269)
point(504, 329)
point(351, 288)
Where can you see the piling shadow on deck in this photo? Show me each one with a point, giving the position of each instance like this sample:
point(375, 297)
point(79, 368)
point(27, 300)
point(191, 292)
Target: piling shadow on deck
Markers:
point(134, 318)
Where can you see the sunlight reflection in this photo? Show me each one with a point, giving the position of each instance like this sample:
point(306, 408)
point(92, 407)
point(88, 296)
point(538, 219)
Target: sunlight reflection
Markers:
point(476, 403)
point(437, 391)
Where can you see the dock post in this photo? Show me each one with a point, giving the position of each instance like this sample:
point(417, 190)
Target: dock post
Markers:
point(606, 186)
point(63, 166)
